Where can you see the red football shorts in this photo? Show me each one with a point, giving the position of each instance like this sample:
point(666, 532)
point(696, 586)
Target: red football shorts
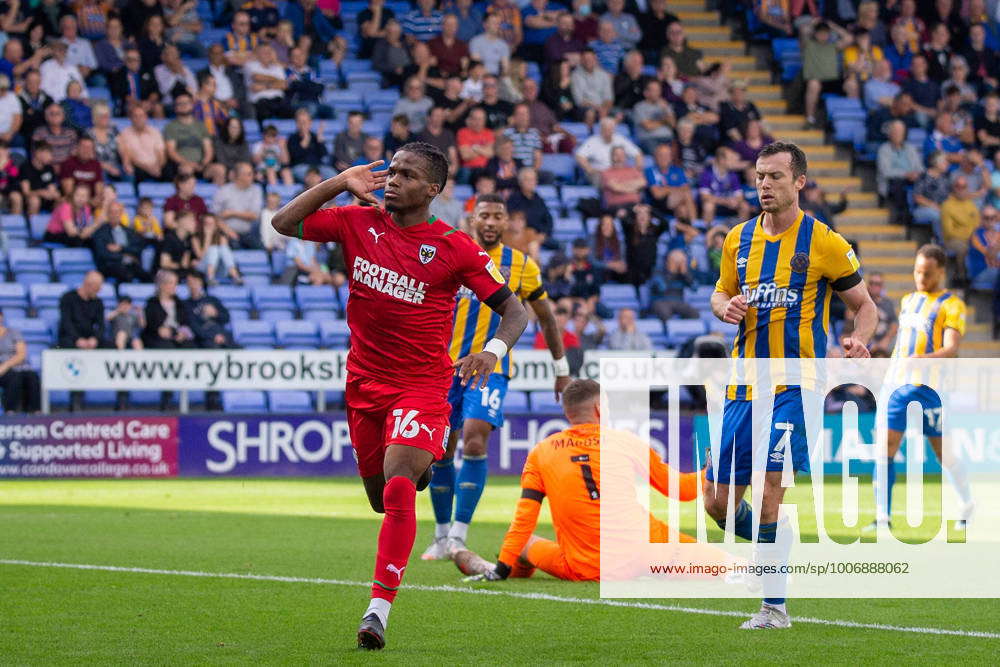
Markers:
point(380, 415)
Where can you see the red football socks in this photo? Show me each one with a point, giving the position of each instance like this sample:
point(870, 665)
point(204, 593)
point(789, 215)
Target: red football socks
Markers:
point(395, 539)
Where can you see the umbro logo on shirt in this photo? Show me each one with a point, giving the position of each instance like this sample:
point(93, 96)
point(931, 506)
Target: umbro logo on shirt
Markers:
point(741, 262)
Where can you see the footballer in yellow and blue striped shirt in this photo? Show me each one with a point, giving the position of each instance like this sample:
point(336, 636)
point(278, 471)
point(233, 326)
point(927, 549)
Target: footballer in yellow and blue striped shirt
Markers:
point(478, 411)
point(778, 274)
point(931, 326)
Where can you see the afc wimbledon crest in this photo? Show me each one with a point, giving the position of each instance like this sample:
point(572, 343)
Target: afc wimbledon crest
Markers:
point(427, 253)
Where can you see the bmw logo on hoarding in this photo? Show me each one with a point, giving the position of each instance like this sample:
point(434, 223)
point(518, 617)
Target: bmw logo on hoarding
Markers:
point(73, 368)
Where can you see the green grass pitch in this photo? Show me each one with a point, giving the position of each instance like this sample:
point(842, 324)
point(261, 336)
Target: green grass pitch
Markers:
point(322, 528)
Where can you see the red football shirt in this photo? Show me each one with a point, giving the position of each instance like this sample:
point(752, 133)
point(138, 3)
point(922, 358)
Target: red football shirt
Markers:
point(402, 290)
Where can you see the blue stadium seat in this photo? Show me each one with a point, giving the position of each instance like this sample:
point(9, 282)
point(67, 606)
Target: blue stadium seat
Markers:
point(342, 293)
point(334, 333)
point(315, 297)
point(35, 260)
point(616, 296)
point(34, 330)
point(272, 296)
point(243, 402)
point(571, 194)
point(567, 229)
point(252, 262)
point(290, 402)
point(99, 398)
point(579, 130)
point(155, 190)
point(13, 226)
point(297, 334)
point(543, 402)
point(144, 397)
point(560, 165)
point(700, 297)
point(106, 295)
point(275, 315)
point(680, 331)
point(50, 315)
point(46, 295)
point(516, 401)
point(13, 295)
point(139, 292)
point(253, 333)
point(320, 314)
point(75, 260)
point(204, 190)
point(238, 314)
point(232, 296)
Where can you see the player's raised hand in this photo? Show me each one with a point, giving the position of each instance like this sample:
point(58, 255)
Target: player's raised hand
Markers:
point(736, 310)
point(361, 181)
point(476, 367)
point(854, 348)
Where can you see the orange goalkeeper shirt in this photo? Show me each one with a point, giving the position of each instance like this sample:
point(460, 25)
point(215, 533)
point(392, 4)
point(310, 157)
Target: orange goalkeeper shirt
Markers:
point(566, 468)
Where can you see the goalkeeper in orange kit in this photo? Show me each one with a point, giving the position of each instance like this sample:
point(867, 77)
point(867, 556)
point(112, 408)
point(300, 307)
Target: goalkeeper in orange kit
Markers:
point(566, 468)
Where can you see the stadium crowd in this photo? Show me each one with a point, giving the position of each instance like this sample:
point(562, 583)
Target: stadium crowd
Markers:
point(162, 136)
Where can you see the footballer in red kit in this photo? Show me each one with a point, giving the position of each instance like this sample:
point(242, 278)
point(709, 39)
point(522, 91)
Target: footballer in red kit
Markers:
point(404, 267)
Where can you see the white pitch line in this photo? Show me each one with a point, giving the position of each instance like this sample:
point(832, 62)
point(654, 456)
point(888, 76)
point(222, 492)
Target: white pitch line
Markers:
point(604, 602)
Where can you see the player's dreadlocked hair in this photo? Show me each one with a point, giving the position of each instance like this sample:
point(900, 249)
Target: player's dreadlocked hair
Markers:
point(436, 161)
point(490, 198)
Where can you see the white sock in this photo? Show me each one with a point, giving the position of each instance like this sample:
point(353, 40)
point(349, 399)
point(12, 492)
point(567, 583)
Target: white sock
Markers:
point(380, 608)
point(780, 607)
point(459, 530)
point(959, 478)
point(441, 530)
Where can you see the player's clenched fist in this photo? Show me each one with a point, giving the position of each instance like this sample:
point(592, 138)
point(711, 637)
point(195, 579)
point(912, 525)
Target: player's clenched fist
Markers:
point(736, 310)
point(476, 367)
point(361, 181)
point(855, 349)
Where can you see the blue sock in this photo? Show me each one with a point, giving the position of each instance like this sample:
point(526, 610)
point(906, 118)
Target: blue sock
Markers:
point(470, 483)
point(890, 482)
point(742, 521)
point(443, 489)
point(766, 535)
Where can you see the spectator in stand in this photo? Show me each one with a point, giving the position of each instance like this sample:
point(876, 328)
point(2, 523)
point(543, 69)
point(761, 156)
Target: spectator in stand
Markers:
point(489, 47)
point(608, 249)
point(10, 113)
point(173, 77)
point(304, 88)
point(372, 152)
point(302, 264)
point(557, 91)
point(372, 22)
point(688, 151)
point(306, 149)
point(210, 247)
point(79, 50)
point(880, 89)
point(522, 237)
point(527, 141)
point(105, 137)
point(132, 86)
point(20, 383)
point(175, 252)
point(166, 322)
point(152, 42)
point(263, 16)
point(973, 168)
point(594, 154)
point(513, 80)
point(208, 110)
point(944, 139)
point(959, 70)
point(137, 12)
point(142, 149)
point(555, 139)
point(60, 138)
point(57, 72)
point(117, 249)
point(622, 184)
point(82, 168)
point(987, 123)
point(689, 60)
point(938, 52)
point(901, 108)
point(34, 102)
point(983, 259)
point(498, 111)
point(720, 190)
point(930, 191)
point(510, 21)
point(669, 189)
point(240, 44)
point(607, 47)
point(183, 26)
point(269, 237)
point(391, 57)
point(667, 288)
point(752, 144)
point(424, 69)
point(735, 112)
point(446, 207)
point(470, 18)
point(898, 166)
point(265, 81)
point(14, 64)
point(414, 104)
point(38, 183)
point(591, 87)
point(951, 104)
point(558, 280)
point(585, 276)
point(183, 200)
point(484, 185)
point(569, 339)
point(229, 148)
point(625, 24)
point(207, 316)
point(670, 81)
point(398, 135)
point(983, 61)
point(813, 201)
point(912, 26)
point(653, 118)
point(641, 230)
point(563, 43)
point(237, 205)
point(229, 87)
point(448, 49)
point(81, 322)
point(654, 24)
point(270, 157)
point(627, 336)
point(706, 121)
point(590, 331)
point(539, 18)
point(10, 193)
point(188, 144)
point(350, 143)
point(869, 21)
point(959, 219)
point(110, 51)
point(821, 63)
point(73, 221)
point(436, 134)
point(472, 87)
point(503, 167)
point(475, 144)
point(527, 199)
point(422, 23)
point(76, 108)
point(898, 52)
point(143, 223)
point(888, 324)
point(630, 83)
point(713, 86)
point(776, 16)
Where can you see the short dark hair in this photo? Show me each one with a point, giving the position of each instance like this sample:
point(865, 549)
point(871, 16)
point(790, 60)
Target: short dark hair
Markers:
point(490, 198)
point(935, 252)
point(437, 163)
point(579, 392)
point(581, 243)
point(798, 158)
point(351, 114)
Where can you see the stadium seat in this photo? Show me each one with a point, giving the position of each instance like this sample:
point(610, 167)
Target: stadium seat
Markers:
point(75, 260)
point(571, 194)
point(320, 314)
point(516, 401)
point(272, 296)
point(334, 333)
point(652, 327)
point(46, 295)
point(315, 297)
point(252, 262)
point(295, 402)
point(106, 295)
point(680, 331)
point(144, 398)
point(34, 330)
point(243, 402)
point(297, 334)
point(13, 226)
point(25, 260)
point(566, 230)
point(51, 317)
point(13, 295)
point(232, 296)
point(139, 292)
point(700, 297)
point(155, 190)
point(544, 403)
point(101, 398)
point(560, 165)
point(253, 333)
point(616, 296)
point(286, 192)
point(275, 315)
